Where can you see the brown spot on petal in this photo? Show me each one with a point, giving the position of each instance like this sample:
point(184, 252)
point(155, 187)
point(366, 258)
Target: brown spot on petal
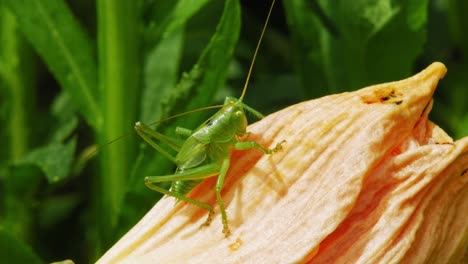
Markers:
point(389, 95)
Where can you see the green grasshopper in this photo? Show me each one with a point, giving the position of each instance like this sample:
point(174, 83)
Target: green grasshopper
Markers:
point(206, 151)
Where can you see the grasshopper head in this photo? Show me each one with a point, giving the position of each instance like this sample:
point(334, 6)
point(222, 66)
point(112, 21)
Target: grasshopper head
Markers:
point(230, 120)
point(235, 110)
point(230, 100)
point(239, 118)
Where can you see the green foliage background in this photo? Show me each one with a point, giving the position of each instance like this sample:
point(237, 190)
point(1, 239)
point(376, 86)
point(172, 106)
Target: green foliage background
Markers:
point(79, 73)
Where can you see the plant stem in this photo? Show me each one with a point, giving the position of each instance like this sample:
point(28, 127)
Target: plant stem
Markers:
point(119, 70)
point(17, 78)
point(17, 85)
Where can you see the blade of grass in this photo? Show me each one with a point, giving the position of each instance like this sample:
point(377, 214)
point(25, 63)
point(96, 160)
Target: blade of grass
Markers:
point(16, 111)
point(161, 73)
point(55, 34)
point(210, 71)
point(17, 85)
point(165, 21)
point(119, 70)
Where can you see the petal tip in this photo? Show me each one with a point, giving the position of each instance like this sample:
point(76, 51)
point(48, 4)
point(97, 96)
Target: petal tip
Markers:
point(436, 69)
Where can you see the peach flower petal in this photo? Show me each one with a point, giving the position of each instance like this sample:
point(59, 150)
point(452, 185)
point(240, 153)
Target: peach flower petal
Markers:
point(364, 177)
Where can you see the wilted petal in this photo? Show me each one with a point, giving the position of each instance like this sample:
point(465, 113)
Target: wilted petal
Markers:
point(364, 177)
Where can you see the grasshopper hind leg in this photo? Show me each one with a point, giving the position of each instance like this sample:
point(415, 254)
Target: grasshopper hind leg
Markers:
point(203, 172)
point(190, 176)
point(181, 197)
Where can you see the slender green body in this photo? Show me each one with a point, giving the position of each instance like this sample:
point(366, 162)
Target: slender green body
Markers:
point(211, 141)
point(205, 153)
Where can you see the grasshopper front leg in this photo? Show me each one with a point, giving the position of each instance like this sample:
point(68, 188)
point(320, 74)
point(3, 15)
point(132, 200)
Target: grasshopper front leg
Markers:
point(224, 169)
point(254, 144)
point(148, 134)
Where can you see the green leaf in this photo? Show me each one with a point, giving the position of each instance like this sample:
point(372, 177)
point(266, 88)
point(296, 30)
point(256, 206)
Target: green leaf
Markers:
point(17, 88)
point(55, 159)
point(167, 18)
point(417, 12)
point(13, 250)
point(305, 28)
point(65, 114)
point(161, 73)
point(56, 35)
point(210, 71)
point(374, 42)
point(393, 50)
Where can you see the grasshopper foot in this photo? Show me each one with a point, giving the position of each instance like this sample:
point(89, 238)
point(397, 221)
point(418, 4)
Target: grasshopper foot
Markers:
point(278, 146)
point(226, 230)
point(208, 219)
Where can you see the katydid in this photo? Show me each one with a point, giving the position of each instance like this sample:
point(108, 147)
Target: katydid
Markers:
point(206, 150)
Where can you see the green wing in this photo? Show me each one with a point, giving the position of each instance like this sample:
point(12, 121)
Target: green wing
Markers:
point(192, 154)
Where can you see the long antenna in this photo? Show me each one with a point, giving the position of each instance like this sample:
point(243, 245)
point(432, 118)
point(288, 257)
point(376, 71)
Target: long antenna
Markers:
point(256, 51)
point(98, 148)
point(185, 113)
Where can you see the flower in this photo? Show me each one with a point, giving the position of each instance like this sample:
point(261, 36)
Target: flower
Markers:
point(364, 177)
